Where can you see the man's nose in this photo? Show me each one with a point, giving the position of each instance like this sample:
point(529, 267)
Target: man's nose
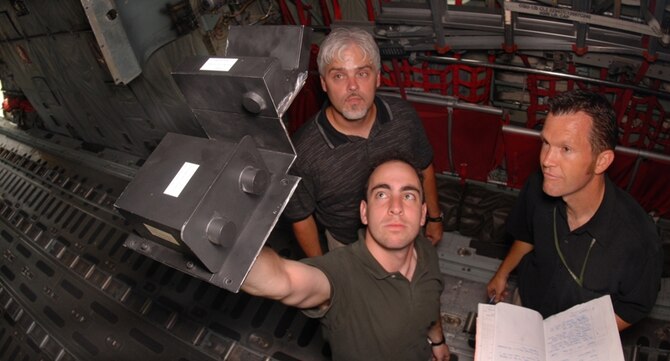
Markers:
point(547, 157)
point(352, 84)
point(395, 207)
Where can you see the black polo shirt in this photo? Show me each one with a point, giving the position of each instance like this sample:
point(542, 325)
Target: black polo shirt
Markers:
point(618, 248)
point(334, 166)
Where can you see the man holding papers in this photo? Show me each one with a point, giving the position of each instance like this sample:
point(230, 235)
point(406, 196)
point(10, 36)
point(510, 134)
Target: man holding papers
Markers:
point(586, 332)
point(577, 235)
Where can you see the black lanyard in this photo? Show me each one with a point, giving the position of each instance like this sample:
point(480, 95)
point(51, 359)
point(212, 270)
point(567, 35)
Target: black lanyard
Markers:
point(580, 280)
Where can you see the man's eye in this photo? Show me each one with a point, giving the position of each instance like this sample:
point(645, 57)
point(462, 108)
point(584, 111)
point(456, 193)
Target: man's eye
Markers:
point(381, 195)
point(410, 197)
point(339, 76)
point(363, 74)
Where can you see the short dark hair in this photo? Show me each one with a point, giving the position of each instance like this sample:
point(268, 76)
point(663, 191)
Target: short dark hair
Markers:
point(393, 157)
point(604, 130)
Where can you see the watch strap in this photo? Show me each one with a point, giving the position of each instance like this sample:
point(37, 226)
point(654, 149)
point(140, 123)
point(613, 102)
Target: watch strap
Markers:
point(434, 344)
point(437, 219)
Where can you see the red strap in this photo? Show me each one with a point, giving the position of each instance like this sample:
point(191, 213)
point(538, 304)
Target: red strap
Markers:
point(641, 72)
point(286, 13)
point(300, 8)
point(337, 11)
point(325, 13)
point(371, 10)
point(398, 78)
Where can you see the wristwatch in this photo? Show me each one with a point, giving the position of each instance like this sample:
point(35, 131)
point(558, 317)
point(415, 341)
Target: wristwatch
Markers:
point(435, 344)
point(437, 219)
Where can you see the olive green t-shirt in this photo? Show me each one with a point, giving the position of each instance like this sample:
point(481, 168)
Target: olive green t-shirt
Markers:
point(374, 314)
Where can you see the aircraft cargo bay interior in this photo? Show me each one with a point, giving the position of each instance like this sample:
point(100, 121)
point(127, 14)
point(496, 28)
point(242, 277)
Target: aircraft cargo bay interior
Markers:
point(148, 153)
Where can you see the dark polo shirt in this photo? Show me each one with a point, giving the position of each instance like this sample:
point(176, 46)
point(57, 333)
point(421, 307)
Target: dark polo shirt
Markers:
point(374, 314)
point(334, 167)
point(625, 260)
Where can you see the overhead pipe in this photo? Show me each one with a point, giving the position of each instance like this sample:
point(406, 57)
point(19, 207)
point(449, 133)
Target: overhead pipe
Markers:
point(419, 96)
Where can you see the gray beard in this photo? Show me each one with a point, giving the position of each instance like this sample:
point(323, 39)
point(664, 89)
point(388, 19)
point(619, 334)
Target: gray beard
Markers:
point(353, 115)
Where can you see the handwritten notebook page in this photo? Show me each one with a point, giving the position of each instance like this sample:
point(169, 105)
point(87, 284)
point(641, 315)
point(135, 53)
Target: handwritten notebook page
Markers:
point(586, 332)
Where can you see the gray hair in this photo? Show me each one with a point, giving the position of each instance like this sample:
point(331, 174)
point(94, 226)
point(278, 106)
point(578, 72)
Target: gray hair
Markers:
point(340, 39)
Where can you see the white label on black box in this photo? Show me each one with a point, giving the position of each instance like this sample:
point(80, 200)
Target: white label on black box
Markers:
point(219, 64)
point(181, 179)
point(161, 234)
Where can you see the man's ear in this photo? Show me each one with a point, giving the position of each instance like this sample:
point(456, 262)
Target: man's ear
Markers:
point(379, 78)
point(604, 160)
point(363, 209)
point(424, 212)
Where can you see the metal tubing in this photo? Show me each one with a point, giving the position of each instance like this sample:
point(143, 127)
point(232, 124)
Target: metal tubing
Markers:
point(519, 130)
point(581, 29)
point(438, 9)
point(450, 132)
point(436, 99)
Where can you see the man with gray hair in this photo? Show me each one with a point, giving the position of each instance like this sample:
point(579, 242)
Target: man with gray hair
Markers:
point(336, 148)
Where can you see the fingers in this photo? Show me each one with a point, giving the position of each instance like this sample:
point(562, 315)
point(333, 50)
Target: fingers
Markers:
point(434, 232)
point(441, 353)
point(496, 289)
point(492, 292)
point(495, 295)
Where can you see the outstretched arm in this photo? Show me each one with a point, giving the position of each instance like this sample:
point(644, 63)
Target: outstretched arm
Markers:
point(497, 287)
point(433, 229)
point(290, 282)
point(307, 235)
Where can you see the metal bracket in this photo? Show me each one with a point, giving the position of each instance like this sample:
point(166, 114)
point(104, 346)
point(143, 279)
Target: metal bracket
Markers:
point(112, 39)
point(438, 12)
